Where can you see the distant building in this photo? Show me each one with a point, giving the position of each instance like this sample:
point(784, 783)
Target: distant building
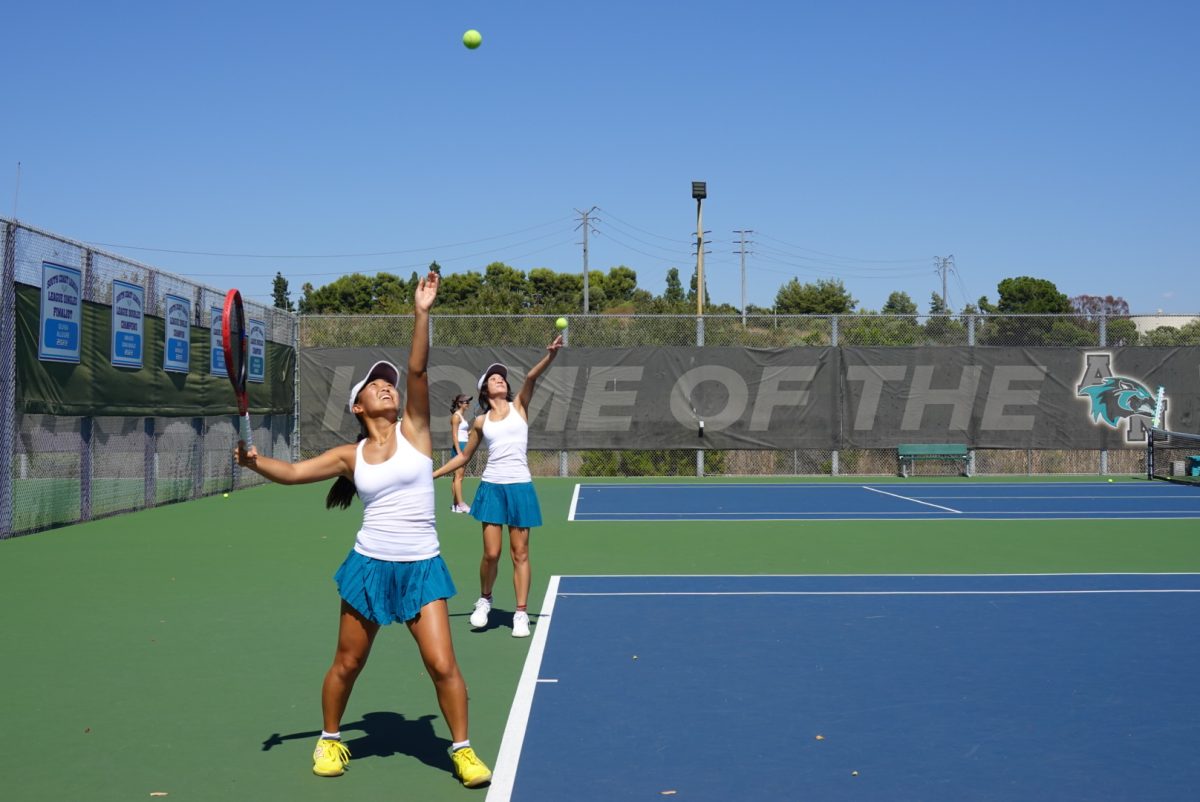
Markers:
point(1147, 323)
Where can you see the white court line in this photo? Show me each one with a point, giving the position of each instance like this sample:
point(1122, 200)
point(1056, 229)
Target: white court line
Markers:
point(1125, 484)
point(977, 515)
point(906, 498)
point(574, 503)
point(884, 592)
point(509, 756)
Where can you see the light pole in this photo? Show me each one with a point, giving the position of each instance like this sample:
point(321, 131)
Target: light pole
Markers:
point(699, 192)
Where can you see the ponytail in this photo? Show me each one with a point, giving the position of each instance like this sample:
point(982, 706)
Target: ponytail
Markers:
point(343, 490)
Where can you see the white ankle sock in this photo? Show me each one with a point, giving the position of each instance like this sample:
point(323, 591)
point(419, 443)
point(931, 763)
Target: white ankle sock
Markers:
point(454, 747)
point(330, 736)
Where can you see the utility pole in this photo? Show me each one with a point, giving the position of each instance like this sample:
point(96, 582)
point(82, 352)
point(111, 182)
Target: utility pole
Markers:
point(585, 224)
point(944, 265)
point(699, 192)
point(742, 232)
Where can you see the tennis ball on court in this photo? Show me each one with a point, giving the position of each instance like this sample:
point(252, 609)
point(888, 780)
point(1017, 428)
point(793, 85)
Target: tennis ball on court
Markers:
point(561, 323)
point(224, 495)
point(472, 39)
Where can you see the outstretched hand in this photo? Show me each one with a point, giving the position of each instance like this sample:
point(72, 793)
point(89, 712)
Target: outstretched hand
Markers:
point(554, 345)
point(426, 292)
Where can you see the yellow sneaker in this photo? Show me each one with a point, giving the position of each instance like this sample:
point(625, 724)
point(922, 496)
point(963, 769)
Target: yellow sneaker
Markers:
point(469, 768)
point(330, 758)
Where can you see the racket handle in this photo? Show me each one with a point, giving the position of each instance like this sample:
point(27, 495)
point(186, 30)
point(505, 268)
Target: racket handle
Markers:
point(247, 432)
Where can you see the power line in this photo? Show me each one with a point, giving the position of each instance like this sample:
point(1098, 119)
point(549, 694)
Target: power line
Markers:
point(325, 255)
point(843, 258)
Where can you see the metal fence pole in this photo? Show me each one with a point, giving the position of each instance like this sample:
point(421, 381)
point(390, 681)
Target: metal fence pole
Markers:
point(294, 438)
point(8, 372)
point(700, 344)
point(1103, 342)
point(149, 464)
point(834, 468)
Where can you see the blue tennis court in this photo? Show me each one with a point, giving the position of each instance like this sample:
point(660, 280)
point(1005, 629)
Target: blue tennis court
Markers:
point(881, 501)
point(868, 687)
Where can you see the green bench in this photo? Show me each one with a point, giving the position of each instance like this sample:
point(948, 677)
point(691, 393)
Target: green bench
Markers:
point(910, 453)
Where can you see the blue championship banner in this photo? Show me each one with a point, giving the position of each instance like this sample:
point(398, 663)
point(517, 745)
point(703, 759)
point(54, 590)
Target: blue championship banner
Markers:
point(128, 324)
point(256, 365)
point(216, 352)
point(177, 334)
point(62, 314)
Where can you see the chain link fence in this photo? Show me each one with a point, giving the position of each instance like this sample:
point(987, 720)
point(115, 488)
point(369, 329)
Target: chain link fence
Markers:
point(63, 469)
point(776, 331)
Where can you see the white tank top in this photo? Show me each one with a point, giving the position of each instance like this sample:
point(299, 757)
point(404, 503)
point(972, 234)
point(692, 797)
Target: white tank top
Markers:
point(397, 495)
point(507, 441)
point(464, 428)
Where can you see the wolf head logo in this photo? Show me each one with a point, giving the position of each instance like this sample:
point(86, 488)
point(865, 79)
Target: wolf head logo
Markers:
point(1118, 397)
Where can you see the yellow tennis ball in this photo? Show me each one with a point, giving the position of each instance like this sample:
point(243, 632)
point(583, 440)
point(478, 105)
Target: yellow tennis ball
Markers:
point(224, 495)
point(472, 39)
point(561, 323)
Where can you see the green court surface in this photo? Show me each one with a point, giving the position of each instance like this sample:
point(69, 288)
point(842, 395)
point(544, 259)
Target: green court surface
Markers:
point(180, 650)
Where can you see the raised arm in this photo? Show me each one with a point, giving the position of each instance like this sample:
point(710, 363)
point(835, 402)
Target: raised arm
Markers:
point(337, 461)
point(537, 370)
point(415, 423)
point(474, 435)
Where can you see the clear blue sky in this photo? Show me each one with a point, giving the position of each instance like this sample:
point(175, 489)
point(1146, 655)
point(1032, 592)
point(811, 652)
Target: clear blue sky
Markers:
point(859, 140)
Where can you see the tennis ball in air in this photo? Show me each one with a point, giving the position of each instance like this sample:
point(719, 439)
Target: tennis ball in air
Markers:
point(224, 495)
point(1110, 480)
point(472, 39)
point(561, 323)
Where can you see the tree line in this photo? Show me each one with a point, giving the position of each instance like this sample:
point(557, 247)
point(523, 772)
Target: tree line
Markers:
point(504, 290)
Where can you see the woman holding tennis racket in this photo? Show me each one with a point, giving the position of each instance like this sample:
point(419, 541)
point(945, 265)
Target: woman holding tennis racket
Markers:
point(460, 427)
point(395, 571)
point(505, 495)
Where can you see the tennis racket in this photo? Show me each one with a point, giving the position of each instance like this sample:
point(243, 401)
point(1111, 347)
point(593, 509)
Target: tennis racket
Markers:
point(236, 347)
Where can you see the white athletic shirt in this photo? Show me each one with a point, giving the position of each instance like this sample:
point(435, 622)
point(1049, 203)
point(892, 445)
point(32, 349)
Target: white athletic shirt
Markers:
point(397, 495)
point(464, 428)
point(507, 439)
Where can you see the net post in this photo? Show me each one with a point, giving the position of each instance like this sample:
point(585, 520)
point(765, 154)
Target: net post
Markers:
point(1150, 454)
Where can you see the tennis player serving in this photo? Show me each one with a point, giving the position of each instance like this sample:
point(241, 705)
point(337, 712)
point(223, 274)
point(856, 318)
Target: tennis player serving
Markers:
point(505, 495)
point(395, 571)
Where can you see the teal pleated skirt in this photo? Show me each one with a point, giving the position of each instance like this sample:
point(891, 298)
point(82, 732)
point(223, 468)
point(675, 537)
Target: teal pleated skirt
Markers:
point(514, 505)
point(384, 591)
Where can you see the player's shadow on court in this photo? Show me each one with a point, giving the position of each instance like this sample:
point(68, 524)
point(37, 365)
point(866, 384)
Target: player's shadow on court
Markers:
point(497, 619)
point(386, 734)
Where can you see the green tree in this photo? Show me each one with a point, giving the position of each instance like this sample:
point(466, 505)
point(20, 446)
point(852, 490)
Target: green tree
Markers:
point(1025, 295)
point(279, 291)
point(673, 293)
point(899, 303)
point(457, 290)
point(619, 285)
point(1162, 335)
point(349, 294)
point(556, 293)
point(824, 297)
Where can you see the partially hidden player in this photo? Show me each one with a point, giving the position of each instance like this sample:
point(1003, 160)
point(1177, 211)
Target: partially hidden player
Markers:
point(505, 496)
point(460, 427)
point(395, 571)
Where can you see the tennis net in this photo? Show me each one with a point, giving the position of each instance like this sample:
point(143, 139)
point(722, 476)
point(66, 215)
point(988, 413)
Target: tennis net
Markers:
point(1174, 456)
